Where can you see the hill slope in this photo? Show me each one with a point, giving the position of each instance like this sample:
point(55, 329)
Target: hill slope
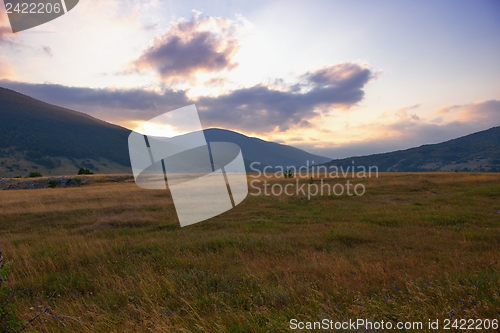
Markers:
point(474, 152)
point(37, 136)
point(264, 152)
point(42, 130)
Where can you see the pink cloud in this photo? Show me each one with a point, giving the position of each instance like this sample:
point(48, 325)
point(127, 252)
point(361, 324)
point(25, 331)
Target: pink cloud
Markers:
point(487, 112)
point(410, 130)
point(7, 71)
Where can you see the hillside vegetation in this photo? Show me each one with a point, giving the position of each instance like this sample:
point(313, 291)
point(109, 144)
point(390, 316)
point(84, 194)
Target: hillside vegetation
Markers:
point(43, 130)
point(55, 140)
point(475, 152)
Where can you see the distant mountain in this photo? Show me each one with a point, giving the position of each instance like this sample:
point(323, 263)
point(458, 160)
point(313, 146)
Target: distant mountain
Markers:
point(37, 136)
point(475, 152)
point(264, 152)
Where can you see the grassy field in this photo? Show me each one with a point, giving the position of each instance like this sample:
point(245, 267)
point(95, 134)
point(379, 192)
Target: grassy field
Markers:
point(414, 247)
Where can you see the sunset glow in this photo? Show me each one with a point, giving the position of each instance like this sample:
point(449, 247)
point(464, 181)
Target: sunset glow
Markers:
point(334, 78)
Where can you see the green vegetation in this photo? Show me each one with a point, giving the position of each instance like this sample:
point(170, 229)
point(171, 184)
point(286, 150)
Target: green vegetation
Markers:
point(414, 247)
point(9, 322)
point(47, 162)
point(472, 148)
point(43, 130)
point(85, 171)
point(35, 174)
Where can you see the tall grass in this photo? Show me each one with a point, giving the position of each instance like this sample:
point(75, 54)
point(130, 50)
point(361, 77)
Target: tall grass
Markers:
point(414, 247)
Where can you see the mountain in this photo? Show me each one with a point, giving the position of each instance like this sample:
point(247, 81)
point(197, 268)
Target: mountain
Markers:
point(37, 136)
point(264, 152)
point(474, 152)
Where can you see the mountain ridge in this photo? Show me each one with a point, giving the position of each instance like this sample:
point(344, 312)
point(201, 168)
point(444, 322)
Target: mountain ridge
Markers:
point(35, 135)
point(479, 151)
point(41, 136)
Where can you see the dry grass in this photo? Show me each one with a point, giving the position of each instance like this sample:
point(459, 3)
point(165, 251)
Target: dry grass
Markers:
point(414, 247)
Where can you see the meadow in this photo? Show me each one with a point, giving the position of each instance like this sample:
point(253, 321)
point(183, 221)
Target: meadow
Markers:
point(414, 247)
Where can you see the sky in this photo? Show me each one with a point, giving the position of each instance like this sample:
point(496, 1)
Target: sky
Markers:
point(335, 78)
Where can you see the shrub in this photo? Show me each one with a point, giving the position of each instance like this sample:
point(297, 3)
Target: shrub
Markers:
point(85, 171)
point(52, 183)
point(288, 173)
point(35, 174)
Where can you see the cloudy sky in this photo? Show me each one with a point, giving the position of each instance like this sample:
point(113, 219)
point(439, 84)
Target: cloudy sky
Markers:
point(337, 78)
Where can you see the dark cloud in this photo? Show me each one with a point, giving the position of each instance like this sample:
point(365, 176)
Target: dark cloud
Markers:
point(262, 109)
point(114, 105)
point(346, 74)
point(257, 109)
point(203, 44)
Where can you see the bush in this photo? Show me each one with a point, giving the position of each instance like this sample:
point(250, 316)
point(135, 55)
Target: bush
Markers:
point(35, 174)
point(85, 171)
point(52, 183)
point(288, 174)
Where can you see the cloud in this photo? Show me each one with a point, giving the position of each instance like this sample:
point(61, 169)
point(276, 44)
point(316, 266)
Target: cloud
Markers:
point(257, 109)
point(447, 109)
point(261, 109)
point(11, 39)
point(203, 44)
point(114, 105)
point(342, 74)
point(410, 130)
point(6, 35)
point(486, 113)
point(465, 119)
point(47, 50)
point(6, 69)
